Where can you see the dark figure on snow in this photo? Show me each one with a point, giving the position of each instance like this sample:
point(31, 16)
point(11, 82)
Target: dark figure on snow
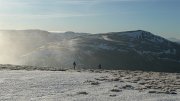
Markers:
point(74, 64)
point(99, 66)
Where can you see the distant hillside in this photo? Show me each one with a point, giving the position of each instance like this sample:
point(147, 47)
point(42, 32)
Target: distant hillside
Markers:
point(134, 50)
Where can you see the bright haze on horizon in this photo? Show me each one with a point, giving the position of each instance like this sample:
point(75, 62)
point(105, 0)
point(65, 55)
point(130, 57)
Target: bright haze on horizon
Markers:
point(92, 16)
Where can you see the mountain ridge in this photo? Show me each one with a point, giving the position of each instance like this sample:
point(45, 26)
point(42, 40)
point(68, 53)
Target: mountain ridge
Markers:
point(134, 50)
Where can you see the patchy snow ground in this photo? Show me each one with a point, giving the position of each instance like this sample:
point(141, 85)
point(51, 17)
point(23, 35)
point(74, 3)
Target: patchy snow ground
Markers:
point(88, 85)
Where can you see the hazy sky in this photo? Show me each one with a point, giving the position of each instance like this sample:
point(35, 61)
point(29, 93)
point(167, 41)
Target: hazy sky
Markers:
point(161, 17)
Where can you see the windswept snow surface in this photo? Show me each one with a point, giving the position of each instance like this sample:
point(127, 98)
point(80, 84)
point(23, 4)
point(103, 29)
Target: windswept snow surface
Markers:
point(105, 37)
point(80, 85)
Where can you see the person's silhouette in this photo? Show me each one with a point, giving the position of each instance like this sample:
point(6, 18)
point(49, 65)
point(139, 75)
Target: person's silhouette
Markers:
point(99, 66)
point(74, 64)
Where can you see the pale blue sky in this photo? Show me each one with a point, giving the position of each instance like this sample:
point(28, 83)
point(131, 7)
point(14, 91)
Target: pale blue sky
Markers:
point(160, 17)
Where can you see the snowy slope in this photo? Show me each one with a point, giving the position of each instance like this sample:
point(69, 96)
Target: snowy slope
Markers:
point(88, 85)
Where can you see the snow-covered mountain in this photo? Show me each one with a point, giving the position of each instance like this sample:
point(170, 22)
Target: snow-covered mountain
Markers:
point(115, 50)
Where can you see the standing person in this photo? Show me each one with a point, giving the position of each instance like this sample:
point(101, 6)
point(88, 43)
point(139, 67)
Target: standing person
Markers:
point(99, 66)
point(74, 64)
